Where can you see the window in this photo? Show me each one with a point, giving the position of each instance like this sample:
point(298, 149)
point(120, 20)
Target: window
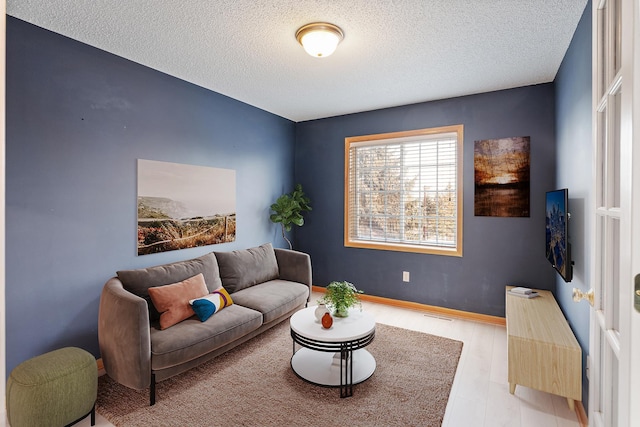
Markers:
point(403, 191)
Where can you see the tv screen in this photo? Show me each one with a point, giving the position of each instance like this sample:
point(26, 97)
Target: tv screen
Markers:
point(557, 232)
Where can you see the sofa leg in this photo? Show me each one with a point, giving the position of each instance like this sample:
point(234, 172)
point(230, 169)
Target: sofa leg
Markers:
point(152, 390)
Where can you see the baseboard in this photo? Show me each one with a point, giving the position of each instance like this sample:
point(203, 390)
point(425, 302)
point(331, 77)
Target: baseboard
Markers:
point(447, 312)
point(101, 370)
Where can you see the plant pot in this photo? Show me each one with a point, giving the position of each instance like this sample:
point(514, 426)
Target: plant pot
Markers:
point(341, 312)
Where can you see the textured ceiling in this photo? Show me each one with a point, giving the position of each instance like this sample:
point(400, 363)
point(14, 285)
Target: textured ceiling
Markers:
point(395, 52)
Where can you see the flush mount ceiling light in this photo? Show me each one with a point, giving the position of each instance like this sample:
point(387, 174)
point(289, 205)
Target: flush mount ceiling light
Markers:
point(319, 39)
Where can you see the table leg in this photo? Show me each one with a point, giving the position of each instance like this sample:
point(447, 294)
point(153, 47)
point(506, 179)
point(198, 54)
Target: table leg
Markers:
point(346, 371)
point(512, 388)
point(571, 403)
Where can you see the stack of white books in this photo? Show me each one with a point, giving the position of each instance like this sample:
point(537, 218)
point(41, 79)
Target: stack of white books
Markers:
point(523, 292)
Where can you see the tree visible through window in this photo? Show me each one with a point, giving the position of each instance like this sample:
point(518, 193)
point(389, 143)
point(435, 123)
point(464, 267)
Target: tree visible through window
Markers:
point(403, 191)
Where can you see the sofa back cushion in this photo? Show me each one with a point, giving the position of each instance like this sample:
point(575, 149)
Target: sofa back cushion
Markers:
point(244, 268)
point(139, 281)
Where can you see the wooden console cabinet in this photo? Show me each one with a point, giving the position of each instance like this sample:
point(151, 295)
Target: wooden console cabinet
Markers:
point(543, 353)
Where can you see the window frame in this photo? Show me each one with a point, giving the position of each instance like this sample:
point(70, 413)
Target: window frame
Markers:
point(407, 137)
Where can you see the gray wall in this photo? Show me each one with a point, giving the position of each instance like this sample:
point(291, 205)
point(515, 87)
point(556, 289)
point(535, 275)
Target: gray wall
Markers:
point(497, 251)
point(574, 156)
point(77, 120)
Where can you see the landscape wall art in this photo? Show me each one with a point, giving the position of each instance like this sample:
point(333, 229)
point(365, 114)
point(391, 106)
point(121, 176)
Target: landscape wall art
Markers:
point(501, 177)
point(184, 206)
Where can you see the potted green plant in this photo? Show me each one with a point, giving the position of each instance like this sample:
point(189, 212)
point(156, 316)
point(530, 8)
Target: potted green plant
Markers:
point(288, 209)
point(340, 297)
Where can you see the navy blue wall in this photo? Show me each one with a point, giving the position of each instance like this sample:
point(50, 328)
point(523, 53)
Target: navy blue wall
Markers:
point(497, 251)
point(574, 158)
point(77, 120)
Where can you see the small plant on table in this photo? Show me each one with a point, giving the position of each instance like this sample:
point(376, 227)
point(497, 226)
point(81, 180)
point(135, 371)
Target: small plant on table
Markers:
point(340, 297)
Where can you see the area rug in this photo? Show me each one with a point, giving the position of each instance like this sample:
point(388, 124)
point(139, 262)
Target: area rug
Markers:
point(253, 385)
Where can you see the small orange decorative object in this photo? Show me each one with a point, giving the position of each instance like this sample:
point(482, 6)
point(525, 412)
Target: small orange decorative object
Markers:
point(327, 321)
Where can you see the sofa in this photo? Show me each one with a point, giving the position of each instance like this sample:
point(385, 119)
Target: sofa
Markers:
point(265, 286)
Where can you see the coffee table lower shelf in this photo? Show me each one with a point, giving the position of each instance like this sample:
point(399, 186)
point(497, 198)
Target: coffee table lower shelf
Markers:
point(323, 368)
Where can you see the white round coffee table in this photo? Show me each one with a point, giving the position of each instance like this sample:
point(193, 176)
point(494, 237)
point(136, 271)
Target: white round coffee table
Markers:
point(336, 356)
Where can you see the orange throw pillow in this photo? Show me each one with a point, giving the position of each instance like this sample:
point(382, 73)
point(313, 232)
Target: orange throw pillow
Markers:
point(172, 301)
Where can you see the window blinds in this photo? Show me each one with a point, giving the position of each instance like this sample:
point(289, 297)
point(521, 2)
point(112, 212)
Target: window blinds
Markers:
point(404, 190)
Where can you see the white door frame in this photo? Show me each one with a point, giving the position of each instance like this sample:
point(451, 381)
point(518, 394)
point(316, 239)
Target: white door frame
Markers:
point(633, 355)
point(614, 380)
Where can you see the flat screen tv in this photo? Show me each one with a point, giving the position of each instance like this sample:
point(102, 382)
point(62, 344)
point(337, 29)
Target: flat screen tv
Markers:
point(557, 232)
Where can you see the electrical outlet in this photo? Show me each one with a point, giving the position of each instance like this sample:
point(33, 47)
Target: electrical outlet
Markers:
point(405, 276)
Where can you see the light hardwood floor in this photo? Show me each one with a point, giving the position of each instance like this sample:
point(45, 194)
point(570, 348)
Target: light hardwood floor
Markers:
point(480, 394)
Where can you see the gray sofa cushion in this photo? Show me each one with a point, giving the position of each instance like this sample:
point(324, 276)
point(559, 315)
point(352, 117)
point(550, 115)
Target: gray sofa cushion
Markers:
point(192, 338)
point(248, 267)
point(139, 281)
point(273, 298)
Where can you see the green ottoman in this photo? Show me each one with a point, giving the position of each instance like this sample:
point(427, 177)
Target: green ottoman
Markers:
point(54, 389)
